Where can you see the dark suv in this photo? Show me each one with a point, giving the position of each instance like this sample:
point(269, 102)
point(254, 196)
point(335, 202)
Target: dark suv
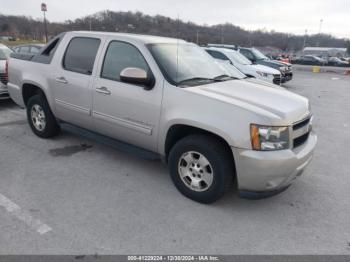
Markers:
point(310, 60)
point(257, 57)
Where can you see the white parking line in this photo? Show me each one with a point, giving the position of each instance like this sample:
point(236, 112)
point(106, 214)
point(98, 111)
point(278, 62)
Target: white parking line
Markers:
point(23, 215)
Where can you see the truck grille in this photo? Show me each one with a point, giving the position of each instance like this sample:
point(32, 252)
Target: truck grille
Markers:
point(3, 79)
point(300, 140)
point(301, 124)
point(301, 131)
point(277, 79)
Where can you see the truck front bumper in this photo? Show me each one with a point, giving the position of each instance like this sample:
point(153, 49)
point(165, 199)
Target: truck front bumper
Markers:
point(287, 77)
point(268, 173)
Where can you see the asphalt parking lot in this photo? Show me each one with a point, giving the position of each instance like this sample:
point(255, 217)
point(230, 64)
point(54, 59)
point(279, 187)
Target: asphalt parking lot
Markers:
point(71, 195)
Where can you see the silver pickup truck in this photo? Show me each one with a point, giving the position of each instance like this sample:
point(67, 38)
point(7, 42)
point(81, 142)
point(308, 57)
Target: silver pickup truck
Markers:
point(170, 97)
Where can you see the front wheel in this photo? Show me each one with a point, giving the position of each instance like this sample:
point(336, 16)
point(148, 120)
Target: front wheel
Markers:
point(40, 118)
point(201, 168)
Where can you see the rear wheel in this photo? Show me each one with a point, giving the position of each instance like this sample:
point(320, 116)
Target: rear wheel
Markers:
point(40, 117)
point(201, 168)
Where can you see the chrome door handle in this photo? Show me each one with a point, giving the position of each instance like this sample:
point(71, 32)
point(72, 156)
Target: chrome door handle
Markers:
point(62, 80)
point(103, 90)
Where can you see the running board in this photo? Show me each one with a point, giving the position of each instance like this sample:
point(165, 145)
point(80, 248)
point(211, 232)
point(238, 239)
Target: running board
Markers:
point(116, 144)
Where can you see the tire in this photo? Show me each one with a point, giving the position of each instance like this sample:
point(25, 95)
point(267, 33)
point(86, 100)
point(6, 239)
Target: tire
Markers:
point(220, 166)
point(42, 115)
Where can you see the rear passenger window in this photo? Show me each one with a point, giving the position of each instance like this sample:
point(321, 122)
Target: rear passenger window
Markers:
point(80, 55)
point(25, 49)
point(119, 56)
point(34, 50)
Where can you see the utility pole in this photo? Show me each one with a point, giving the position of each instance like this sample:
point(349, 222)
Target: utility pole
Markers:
point(305, 39)
point(319, 32)
point(222, 34)
point(321, 22)
point(44, 9)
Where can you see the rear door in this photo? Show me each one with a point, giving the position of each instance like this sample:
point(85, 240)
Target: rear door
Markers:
point(72, 80)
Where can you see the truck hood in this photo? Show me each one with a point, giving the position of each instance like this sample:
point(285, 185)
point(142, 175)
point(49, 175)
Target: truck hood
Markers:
point(280, 105)
point(271, 63)
point(265, 69)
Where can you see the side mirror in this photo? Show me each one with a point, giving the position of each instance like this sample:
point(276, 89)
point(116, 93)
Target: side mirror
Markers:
point(137, 76)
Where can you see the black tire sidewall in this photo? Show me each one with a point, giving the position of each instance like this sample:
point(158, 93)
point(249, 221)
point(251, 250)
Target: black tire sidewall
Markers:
point(217, 161)
point(51, 129)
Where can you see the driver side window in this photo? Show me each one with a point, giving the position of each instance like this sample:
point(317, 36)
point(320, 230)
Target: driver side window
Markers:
point(120, 55)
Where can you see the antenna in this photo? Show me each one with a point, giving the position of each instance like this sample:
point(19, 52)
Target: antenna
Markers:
point(177, 48)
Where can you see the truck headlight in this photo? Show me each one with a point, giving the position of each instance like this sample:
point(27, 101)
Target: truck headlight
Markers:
point(263, 74)
point(283, 68)
point(268, 138)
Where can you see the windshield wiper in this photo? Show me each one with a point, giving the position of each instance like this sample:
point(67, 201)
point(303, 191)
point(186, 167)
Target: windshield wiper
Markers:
point(219, 78)
point(224, 78)
point(197, 79)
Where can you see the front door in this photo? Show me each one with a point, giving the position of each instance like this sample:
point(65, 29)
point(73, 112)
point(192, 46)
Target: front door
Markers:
point(121, 110)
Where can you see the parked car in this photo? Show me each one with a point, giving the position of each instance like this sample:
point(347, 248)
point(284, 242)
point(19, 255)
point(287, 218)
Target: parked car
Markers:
point(169, 97)
point(28, 49)
point(310, 60)
point(235, 73)
point(230, 70)
point(256, 57)
point(335, 61)
point(4, 55)
point(244, 65)
point(346, 59)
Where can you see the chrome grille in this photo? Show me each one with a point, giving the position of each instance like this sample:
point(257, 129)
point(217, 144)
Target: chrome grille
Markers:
point(302, 123)
point(301, 131)
point(277, 79)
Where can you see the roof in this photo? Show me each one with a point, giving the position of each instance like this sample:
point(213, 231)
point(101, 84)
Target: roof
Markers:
point(221, 49)
point(146, 39)
point(324, 49)
point(221, 45)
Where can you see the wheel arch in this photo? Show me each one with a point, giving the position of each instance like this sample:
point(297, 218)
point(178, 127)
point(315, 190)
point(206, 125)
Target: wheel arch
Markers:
point(29, 90)
point(178, 131)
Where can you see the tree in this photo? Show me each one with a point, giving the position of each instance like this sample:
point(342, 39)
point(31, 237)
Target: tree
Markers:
point(5, 27)
point(27, 27)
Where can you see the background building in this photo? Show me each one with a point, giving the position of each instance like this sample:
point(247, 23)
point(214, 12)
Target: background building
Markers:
point(326, 51)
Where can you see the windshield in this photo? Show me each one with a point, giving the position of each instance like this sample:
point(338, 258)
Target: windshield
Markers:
point(238, 58)
point(230, 70)
point(4, 52)
point(335, 59)
point(185, 62)
point(259, 55)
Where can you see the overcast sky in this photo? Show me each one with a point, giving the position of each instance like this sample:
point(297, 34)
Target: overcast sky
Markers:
point(292, 16)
